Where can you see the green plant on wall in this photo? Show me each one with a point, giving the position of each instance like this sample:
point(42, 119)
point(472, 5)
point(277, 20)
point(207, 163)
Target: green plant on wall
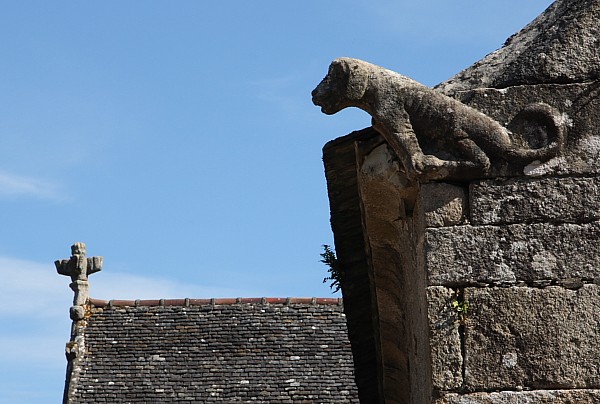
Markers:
point(461, 308)
point(335, 274)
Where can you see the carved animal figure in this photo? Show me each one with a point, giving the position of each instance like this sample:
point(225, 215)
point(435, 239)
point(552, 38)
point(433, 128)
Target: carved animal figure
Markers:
point(408, 114)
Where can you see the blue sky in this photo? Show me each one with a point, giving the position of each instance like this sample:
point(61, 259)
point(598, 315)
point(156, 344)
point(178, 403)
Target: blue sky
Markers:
point(178, 140)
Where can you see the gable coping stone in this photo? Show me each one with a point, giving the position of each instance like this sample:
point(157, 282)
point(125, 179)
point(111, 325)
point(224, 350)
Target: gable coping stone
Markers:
point(217, 301)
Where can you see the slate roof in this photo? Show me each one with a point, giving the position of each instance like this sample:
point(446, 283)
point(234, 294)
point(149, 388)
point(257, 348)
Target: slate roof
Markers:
point(266, 350)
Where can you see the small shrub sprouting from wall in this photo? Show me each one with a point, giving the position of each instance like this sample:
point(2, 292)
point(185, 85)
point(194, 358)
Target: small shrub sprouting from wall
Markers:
point(335, 274)
point(461, 307)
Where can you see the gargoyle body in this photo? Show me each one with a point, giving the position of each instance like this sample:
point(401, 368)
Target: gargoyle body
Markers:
point(410, 115)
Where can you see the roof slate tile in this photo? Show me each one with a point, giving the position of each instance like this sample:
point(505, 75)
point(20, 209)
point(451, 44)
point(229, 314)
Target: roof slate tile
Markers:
point(265, 350)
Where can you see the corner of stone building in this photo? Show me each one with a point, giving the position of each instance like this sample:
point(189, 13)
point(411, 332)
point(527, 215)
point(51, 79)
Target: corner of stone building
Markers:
point(477, 285)
point(393, 222)
point(340, 160)
point(392, 339)
point(496, 275)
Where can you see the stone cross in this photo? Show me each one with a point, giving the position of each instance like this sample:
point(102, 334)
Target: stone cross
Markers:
point(78, 267)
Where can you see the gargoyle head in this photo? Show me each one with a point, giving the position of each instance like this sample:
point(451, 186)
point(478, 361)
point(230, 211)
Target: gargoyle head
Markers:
point(345, 83)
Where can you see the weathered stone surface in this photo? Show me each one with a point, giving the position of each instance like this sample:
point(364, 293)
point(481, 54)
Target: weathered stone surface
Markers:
point(443, 204)
point(79, 267)
point(77, 313)
point(521, 229)
point(525, 397)
point(435, 136)
point(396, 274)
point(578, 102)
point(560, 46)
point(553, 60)
point(470, 255)
point(446, 356)
point(534, 338)
point(568, 199)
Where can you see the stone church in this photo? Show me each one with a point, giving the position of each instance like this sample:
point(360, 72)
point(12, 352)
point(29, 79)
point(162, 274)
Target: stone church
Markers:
point(466, 225)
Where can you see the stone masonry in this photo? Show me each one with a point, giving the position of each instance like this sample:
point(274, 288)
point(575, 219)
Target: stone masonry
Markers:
point(481, 277)
point(532, 294)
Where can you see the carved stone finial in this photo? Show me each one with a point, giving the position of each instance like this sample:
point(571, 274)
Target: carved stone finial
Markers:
point(78, 267)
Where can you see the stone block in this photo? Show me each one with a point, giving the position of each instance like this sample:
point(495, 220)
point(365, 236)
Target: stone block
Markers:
point(524, 397)
point(471, 255)
point(446, 356)
point(579, 103)
point(443, 204)
point(575, 200)
point(534, 338)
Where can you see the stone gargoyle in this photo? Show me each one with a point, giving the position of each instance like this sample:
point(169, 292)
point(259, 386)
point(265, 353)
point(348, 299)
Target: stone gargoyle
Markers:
point(409, 115)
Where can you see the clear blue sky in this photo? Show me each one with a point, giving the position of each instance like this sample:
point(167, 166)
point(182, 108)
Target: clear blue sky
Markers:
point(178, 140)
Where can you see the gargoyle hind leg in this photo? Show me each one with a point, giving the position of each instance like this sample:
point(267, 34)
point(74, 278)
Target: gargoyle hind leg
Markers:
point(474, 162)
point(475, 159)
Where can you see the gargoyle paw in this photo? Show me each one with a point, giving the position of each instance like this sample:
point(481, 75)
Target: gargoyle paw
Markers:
point(427, 163)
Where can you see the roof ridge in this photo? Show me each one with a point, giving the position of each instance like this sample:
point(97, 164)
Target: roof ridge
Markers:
point(218, 301)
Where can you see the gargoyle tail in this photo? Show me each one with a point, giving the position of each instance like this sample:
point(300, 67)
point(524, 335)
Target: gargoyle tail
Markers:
point(542, 124)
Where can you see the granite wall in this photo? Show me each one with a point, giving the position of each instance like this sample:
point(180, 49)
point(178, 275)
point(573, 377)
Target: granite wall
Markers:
point(482, 289)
